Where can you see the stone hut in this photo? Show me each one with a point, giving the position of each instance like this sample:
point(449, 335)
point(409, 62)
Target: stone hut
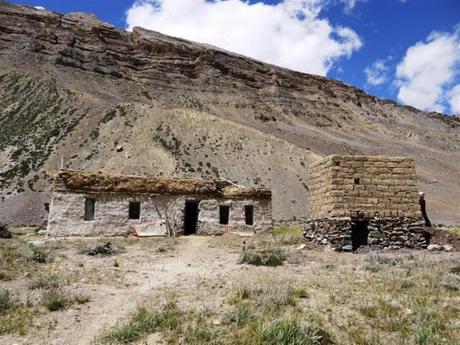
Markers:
point(96, 204)
point(364, 200)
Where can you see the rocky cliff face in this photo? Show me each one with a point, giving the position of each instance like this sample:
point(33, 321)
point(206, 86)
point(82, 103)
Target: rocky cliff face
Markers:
point(76, 90)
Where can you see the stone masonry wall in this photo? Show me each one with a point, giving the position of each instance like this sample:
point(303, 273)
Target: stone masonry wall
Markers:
point(66, 216)
point(341, 186)
point(390, 233)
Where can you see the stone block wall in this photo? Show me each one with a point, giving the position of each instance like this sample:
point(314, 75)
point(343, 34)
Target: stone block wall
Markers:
point(389, 233)
point(341, 186)
point(66, 216)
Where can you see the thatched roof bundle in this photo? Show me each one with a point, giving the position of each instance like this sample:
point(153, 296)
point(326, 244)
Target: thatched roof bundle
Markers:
point(79, 181)
point(235, 191)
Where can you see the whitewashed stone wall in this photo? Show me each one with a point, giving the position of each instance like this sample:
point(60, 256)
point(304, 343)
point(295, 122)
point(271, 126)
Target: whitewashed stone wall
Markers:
point(66, 216)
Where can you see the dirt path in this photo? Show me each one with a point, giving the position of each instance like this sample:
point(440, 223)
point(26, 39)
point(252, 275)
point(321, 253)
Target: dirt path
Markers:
point(193, 259)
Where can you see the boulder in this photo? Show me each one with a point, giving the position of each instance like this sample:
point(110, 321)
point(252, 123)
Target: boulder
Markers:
point(4, 231)
point(434, 247)
point(448, 248)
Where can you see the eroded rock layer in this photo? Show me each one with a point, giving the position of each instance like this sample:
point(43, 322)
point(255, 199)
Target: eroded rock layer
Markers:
point(81, 94)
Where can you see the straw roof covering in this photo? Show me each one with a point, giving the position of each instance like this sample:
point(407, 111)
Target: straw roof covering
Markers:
point(78, 181)
point(249, 192)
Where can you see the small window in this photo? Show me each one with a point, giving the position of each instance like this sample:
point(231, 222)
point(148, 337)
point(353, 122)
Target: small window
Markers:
point(90, 204)
point(356, 180)
point(224, 214)
point(134, 210)
point(249, 214)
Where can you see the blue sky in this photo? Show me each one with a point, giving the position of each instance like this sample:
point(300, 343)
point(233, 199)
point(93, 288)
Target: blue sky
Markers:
point(406, 50)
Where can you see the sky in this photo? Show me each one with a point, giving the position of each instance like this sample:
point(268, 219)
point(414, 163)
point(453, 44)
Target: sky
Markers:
point(405, 50)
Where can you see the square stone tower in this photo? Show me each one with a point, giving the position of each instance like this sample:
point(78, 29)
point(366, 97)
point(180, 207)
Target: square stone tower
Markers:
point(377, 192)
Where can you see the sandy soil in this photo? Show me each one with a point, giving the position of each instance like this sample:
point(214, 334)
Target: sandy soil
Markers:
point(200, 271)
point(115, 292)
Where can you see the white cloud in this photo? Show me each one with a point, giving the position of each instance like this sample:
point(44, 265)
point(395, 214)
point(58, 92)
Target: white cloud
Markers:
point(377, 73)
point(428, 69)
point(290, 34)
point(41, 8)
point(455, 100)
point(350, 4)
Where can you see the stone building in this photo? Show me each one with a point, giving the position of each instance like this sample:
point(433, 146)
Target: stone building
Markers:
point(364, 200)
point(86, 204)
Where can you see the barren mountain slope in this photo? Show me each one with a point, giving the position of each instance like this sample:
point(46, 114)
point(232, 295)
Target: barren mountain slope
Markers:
point(77, 89)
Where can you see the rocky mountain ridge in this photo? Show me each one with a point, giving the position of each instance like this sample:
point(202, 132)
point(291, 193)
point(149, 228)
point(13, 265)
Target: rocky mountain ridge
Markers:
point(79, 91)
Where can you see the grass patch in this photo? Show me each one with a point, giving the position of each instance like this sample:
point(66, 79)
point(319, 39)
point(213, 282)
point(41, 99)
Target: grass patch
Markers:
point(145, 321)
point(288, 235)
point(17, 321)
point(15, 316)
point(18, 259)
point(239, 314)
point(291, 331)
point(55, 299)
point(288, 230)
point(266, 257)
point(298, 292)
point(45, 281)
point(201, 331)
point(454, 230)
point(81, 298)
point(249, 321)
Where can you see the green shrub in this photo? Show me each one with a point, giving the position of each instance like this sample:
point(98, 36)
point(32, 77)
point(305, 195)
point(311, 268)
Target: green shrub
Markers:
point(55, 299)
point(40, 255)
point(268, 257)
point(7, 301)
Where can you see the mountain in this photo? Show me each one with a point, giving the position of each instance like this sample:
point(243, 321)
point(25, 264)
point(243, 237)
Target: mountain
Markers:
point(79, 92)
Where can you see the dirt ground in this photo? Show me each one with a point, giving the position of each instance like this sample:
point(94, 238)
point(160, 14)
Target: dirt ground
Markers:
point(204, 271)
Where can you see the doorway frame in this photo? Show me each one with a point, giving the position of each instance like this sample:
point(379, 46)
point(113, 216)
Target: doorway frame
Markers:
point(191, 216)
point(359, 224)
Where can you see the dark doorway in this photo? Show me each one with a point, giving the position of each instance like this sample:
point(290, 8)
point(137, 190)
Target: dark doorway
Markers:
point(359, 233)
point(224, 214)
point(249, 214)
point(190, 217)
point(134, 210)
point(90, 205)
